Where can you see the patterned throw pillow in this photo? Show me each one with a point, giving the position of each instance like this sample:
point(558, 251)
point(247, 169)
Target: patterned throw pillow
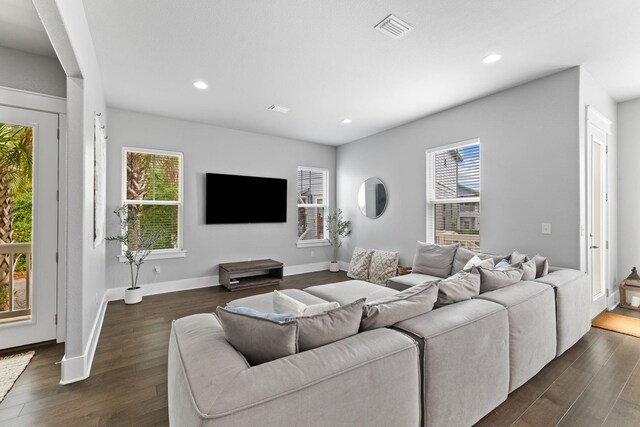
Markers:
point(383, 266)
point(359, 267)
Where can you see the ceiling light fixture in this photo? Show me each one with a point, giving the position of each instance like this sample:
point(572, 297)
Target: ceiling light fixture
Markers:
point(490, 59)
point(278, 109)
point(346, 121)
point(200, 84)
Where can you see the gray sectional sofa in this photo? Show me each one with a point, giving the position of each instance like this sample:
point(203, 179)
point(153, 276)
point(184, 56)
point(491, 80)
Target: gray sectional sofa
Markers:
point(448, 367)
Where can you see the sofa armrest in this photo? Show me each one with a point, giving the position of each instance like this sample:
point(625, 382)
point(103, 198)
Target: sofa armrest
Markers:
point(305, 388)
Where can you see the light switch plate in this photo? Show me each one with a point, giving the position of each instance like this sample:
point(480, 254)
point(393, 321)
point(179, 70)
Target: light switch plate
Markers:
point(546, 228)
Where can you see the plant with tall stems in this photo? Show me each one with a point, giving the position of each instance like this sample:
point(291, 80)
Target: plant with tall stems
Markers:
point(138, 242)
point(338, 229)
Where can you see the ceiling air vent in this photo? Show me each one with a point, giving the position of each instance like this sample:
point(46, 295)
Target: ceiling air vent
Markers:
point(278, 109)
point(394, 27)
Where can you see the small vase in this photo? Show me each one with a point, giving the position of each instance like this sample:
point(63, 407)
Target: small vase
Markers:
point(334, 267)
point(133, 295)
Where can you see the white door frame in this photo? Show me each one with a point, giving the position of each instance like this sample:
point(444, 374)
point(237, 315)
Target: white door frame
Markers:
point(16, 98)
point(598, 122)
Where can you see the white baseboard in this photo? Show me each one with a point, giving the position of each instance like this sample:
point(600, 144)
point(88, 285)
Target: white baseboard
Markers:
point(78, 368)
point(344, 266)
point(614, 300)
point(115, 294)
point(292, 270)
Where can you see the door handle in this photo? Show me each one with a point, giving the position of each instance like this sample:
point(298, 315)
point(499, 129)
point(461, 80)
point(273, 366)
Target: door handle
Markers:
point(594, 247)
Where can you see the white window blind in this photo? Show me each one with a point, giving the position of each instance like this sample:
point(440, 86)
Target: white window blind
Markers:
point(152, 188)
point(453, 194)
point(312, 192)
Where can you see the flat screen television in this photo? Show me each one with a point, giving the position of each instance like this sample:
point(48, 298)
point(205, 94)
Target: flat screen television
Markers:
point(239, 199)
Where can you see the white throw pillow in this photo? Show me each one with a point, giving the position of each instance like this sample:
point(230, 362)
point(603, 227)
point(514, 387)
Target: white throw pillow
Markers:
point(477, 262)
point(283, 303)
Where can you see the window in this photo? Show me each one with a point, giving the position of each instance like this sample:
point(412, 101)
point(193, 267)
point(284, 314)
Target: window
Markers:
point(152, 188)
point(453, 194)
point(312, 192)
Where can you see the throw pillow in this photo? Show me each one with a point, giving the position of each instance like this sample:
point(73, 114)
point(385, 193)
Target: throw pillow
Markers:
point(383, 266)
point(461, 258)
point(334, 325)
point(259, 340)
point(281, 316)
point(477, 262)
point(542, 266)
point(502, 265)
point(359, 266)
point(459, 287)
point(390, 310)
point(517, 257)
point(283, 303)
point(434, 260)
point(490, 280)
point(528, 270)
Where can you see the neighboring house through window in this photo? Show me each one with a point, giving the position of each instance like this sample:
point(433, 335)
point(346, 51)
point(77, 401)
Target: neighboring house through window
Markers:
point(453, 194)
point(152, 187)
point(313, 196)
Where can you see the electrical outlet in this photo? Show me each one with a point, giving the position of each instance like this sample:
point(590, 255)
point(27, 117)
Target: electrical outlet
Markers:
point(156, 269)
point(313, 254)
point(546, 228)
point(248, 259)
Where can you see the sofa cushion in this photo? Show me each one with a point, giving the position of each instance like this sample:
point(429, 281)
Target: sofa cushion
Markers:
point(400, 283)
point(491, 280)
point(384, 312)
point(259, 340)
point(264, 302)
point(542, 266)
point(459, 287)
point(360, 263)
point(434, 260)
point(350, 291)
point(528, 269)
point(334, 325)
point(383, 266)
point(282, 303)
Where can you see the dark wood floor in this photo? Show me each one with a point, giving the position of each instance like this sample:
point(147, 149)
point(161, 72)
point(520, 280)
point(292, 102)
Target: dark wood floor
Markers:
point(597, 382)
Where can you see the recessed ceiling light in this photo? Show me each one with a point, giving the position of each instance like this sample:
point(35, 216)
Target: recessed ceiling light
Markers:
point(346, 121)
point(490, 59)
point(200, 84)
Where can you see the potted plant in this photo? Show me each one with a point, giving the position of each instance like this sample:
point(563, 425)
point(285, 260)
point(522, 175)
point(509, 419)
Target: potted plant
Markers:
point(338, 229)
point(137, 242)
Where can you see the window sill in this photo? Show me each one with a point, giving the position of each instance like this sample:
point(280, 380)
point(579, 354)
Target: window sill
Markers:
point(167, 254)
point(312, 243)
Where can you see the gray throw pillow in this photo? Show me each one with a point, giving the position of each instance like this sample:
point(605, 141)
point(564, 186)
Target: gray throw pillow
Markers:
point(434, 260)
point(359, 265)
point(528, 269)
point(542, 265)
point(390, 310)
point(463, 255)
point(517, 257)
point(334, 325)
point(459, 287)
point(490, 280)
point(259, 340)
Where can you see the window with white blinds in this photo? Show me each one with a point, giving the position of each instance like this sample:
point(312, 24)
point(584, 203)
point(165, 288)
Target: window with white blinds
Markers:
point(313, 204)
point(453, 194)
point(152, 190)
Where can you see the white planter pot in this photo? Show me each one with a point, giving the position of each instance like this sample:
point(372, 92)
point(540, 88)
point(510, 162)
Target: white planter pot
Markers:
point(334, 267)
point(133, 296)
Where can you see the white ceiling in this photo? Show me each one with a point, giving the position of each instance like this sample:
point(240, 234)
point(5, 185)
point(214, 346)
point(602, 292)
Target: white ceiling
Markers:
point(325, 61)
point(21, 28)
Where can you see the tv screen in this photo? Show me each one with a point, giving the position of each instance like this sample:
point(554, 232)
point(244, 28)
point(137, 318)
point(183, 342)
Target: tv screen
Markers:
point(237, 199)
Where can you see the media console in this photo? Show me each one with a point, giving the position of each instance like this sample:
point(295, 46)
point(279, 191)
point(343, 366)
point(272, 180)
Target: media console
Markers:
point(237, 275)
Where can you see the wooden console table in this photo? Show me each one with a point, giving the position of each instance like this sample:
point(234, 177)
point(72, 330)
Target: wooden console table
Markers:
point(237, 275)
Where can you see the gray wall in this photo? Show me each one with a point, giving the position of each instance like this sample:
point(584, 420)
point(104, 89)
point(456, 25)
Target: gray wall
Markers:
point(529, 153)
point(628, 186)
point(33, 73)
point(214, 149)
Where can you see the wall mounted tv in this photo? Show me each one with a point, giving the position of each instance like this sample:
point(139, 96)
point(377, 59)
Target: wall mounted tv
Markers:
point(238, 199)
